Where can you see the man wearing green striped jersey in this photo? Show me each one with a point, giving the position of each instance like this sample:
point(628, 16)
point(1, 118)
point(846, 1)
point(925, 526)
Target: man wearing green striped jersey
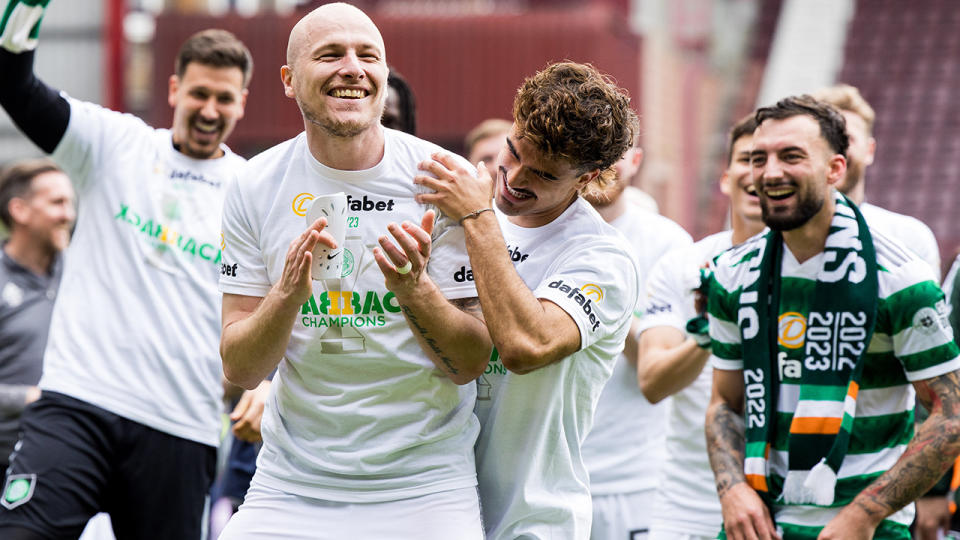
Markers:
point(822, 330)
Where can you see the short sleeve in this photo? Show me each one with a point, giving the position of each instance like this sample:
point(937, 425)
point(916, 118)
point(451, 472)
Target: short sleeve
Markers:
point(93, 135)
point(597, 286)
point(243, 270)
point(725, 339)
point(921, 332)
point(449, 264)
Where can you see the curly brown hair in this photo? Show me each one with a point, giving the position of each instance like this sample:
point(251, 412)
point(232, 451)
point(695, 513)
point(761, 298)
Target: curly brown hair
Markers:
point(573, 112)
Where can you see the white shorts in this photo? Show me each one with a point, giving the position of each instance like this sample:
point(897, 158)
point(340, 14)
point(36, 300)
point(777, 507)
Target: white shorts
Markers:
point(622, 516)
point(270, 513)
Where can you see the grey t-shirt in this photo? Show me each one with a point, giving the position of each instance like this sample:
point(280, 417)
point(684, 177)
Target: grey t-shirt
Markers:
point(26, 303)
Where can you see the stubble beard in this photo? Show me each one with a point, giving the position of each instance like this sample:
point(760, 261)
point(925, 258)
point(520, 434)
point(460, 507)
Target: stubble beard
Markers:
point(807, 207)
point(332, 128)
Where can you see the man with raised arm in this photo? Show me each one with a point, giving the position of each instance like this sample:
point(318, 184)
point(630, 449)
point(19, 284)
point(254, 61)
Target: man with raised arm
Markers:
point(129, 417)
point(822, 330)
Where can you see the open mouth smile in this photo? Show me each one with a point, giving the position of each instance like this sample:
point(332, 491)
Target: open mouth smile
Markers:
point(348, 93)
point(516, 194)
point(779, 193)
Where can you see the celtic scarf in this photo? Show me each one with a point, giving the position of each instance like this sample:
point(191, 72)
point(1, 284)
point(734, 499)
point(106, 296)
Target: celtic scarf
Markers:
point(838, 329)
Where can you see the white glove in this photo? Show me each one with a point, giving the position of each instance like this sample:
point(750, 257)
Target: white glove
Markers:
point(20, 24)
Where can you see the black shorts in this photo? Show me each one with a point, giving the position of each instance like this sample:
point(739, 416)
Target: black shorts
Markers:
point(75, 459)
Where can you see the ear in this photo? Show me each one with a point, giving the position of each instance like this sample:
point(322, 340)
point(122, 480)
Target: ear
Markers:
point(637, 157)
point(286, 75)
point(172, 85)
point(871, 151)
point(836, 169)
point(19, 210)
point(586, 178)
point(725, 184)
point(243, 102)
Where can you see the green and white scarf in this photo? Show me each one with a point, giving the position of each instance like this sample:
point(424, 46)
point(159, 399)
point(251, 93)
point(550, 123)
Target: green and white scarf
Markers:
point(844, 303)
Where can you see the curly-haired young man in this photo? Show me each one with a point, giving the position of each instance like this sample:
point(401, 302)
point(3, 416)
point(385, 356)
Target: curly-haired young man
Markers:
point(557, 288)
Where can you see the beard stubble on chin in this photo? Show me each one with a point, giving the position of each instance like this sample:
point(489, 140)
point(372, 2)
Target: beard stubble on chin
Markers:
point(806, 209)
point(334, 129)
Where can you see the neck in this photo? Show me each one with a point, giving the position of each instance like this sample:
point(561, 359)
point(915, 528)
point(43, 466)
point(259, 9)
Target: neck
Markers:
point(613, 210)
point(744, 228)
point(857, 193)
point(29, 254)
point(810, 238)
point(346, 153)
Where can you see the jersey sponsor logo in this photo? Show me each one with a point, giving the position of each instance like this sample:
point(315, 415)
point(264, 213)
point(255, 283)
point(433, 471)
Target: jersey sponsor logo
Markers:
point(162, 236)
point(368, 204)
point(592, 291)
point(223, 242)
point(18, 490)
point(463, 274)
point(301, 203)
point(229, 270)
point(653, 309)
point(577, 295)
point(515, 254)
point(193, 177)
point(792, 327)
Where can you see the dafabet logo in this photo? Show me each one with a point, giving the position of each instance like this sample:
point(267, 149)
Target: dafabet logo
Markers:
point(792, 329)
point(585, 297)
point(301, 203)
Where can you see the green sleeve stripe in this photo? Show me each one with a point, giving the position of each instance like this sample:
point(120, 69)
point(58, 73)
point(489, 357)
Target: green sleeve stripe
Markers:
point(882, 370)
point(930, 357)
point(726, 351)
point(902, 305)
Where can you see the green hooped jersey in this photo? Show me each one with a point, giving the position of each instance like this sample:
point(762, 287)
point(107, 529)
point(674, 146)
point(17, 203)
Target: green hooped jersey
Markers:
point(912, 341)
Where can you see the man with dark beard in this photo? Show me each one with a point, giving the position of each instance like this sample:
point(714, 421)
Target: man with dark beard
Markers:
point(362, 436)
point(822, 330)
point(624, 449)
point(129, 417)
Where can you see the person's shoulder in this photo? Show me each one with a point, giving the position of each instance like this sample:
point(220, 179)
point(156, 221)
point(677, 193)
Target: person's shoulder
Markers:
point(733, 266)
point(417, 149)
point(258, 168)
point(80, 109)
point(893, 222)
point(898, 267)
point(653, 224)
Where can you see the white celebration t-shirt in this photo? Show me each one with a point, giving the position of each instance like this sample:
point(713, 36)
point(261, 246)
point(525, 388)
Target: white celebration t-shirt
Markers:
point(686, 500)
point(357, 411)
point(136, 327)
point(532, 477)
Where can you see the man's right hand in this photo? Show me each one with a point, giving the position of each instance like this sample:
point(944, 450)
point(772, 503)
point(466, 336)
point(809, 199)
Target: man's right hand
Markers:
point(20, 24)
point(745, 517)
point(295, 284)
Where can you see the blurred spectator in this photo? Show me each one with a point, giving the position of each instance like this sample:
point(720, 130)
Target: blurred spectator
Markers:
point(129, 418)
point(37, 209)
point(400, 111)
point(483, 143)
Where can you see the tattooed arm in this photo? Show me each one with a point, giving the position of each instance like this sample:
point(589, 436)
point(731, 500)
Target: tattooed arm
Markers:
point(451, 333)
point(930, 453)
point(744, 513)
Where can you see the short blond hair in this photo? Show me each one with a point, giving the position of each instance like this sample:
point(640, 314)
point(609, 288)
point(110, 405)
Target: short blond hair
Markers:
point(484, 130)
point(847, 98)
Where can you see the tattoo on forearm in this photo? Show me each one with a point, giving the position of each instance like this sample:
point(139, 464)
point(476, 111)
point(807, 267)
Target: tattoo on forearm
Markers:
point(725, 446)
point(927, 457)
point(432, 343)
point(470, 306)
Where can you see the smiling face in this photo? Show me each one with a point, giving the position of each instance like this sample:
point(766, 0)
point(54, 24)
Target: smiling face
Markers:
point(793, 169)
point(737, 181)
point(46, 214)
point(534, 189)
point(337, 70)
point(207, 102)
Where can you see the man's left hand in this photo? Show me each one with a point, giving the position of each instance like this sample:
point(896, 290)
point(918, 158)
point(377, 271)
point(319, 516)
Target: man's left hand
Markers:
point(457, 192)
